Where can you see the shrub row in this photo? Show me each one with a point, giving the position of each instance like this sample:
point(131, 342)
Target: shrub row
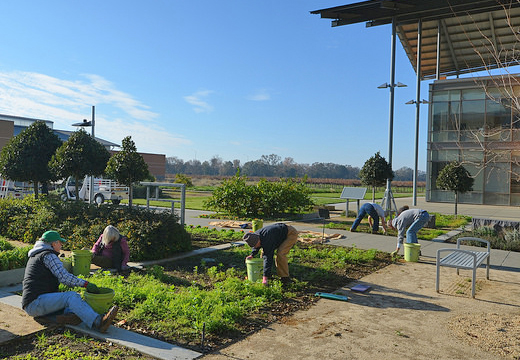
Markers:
point(11, 257)
point(151, 235)
point(264, 199)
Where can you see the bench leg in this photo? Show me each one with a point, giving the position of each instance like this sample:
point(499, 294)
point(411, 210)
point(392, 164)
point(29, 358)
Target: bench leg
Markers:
point(487, 268)
point(473, 282)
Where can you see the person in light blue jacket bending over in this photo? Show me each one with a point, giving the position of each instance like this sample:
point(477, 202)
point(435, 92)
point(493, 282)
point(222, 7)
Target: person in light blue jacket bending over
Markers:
point(414, 220)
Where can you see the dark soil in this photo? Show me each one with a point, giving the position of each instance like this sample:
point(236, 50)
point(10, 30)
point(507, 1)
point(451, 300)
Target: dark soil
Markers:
point(183, 271)
point(52, 342)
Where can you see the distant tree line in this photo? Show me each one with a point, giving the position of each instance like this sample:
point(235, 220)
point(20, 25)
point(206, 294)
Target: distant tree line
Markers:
point(273, 166)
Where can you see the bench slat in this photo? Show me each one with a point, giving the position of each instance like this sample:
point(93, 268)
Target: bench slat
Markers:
point(463, 260)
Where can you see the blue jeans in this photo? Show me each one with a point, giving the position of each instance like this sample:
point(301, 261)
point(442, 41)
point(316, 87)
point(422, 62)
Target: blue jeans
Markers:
point(411, 233)
point(69, 302)
point(364, 210)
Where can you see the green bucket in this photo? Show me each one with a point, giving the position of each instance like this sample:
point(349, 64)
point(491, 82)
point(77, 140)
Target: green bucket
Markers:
point(101, 302)
point(257, 224)
point(255, 268)
point(81, 262)
point(67, 263)
point(411, 251)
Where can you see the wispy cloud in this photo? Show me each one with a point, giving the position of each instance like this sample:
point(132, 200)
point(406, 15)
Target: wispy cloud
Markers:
point(67, 101)
point(32, 88)
point(197, 100)
point(260, 95)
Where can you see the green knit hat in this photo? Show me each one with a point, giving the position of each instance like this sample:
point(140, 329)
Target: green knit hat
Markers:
point(51, 236)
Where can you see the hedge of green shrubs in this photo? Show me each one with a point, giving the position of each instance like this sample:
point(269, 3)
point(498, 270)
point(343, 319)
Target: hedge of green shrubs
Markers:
point(151, 235)
point(12, 257)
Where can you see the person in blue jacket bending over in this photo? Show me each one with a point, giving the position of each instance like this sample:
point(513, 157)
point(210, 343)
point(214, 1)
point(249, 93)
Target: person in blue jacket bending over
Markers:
point(374, 212)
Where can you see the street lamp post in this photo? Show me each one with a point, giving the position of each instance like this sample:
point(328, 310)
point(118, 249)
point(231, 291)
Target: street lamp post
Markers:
point(417, 103)
point(388, 199)
point(90, 123)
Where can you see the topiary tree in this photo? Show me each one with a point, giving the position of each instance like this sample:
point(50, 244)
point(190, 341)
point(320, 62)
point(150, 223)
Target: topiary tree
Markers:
point(80, 155)
point(26, 156)
point(456, 178)
point(127, 166)
point(375, 172)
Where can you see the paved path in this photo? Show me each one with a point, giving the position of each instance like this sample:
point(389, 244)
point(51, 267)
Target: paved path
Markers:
point(501, 260)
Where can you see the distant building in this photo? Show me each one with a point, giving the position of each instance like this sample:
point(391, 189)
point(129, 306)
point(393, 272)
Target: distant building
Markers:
point(12, 125)
point(476, 121)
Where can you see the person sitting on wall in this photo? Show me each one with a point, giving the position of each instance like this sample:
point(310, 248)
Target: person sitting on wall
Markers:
point(41, 296)
point(111, 250)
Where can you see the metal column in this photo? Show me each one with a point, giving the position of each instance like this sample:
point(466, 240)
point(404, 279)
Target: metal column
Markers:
point(388, 200)
point(417, 107)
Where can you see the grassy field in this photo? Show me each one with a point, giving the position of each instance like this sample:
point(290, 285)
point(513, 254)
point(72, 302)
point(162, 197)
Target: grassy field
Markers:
point(195, 198)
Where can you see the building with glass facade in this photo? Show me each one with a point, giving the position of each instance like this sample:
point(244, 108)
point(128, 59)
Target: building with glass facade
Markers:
point(476, 121)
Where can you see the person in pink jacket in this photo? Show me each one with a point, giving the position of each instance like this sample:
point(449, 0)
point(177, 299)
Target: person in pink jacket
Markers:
point(111, 250)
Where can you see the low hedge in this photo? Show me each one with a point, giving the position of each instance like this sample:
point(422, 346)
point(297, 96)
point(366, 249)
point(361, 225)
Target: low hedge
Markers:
point(151, 235)
point(12, 257)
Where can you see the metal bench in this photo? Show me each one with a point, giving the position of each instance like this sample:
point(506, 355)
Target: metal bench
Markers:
point(464, 259)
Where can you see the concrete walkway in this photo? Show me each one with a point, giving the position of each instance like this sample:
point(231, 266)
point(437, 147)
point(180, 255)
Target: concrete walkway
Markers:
point(500, 260)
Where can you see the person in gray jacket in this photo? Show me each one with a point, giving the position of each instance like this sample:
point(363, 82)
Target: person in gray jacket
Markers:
point(411, 219)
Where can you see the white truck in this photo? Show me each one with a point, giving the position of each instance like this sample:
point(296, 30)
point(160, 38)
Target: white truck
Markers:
point(104, 189)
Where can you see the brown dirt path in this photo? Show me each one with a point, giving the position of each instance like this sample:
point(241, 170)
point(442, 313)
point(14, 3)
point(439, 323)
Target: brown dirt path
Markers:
point(401, 317)
point(15, 322)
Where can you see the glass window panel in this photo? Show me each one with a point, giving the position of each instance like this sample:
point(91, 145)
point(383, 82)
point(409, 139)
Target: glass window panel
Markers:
point(439, 116)
point(515, 179)
point(454, 95)
point(473, 114)
point(445, 155)
point(440, 96)
point(496, 178)
point(472, 155)
point(478, 176)
point(496, 199)
point(515, 200)
point(498, 114)
point(473, 94)
point(470, 198)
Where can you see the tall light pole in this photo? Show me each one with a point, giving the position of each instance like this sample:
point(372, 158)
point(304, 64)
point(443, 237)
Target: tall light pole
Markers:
point(90, 123)
point(388, 199)
point(418, 103)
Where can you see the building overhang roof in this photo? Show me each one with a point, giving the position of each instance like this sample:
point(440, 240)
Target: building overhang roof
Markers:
point(475, 35)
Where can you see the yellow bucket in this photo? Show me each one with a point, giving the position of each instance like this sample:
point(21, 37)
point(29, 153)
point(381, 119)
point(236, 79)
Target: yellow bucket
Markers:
point(101, 302)
point(257, 224)
point(255, 268)
point(81, 262)
point(411, 251)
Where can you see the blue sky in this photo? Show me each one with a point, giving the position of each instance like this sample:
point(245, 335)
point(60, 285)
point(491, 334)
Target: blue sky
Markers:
point(196, 79)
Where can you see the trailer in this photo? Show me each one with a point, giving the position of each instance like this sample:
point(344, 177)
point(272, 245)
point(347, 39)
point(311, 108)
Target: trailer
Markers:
point(13, 189)
point(103, 190)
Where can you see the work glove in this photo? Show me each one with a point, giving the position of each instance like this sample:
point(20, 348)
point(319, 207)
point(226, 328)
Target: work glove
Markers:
point(249, 257)
point(264, 280)
point(92, 288)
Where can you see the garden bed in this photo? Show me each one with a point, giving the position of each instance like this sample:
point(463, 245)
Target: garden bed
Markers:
point(314, 268)
point(152, 312)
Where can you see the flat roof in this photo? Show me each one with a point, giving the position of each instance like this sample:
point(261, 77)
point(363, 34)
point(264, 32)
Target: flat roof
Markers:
point(475, 35)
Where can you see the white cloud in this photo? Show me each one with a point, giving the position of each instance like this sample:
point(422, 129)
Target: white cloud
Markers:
point(64, 102)
point(260, 95)
point(197, 100)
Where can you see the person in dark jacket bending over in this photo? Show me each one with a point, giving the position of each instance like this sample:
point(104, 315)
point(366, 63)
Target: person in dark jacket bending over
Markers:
point(279, 237)
point(41, 296)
